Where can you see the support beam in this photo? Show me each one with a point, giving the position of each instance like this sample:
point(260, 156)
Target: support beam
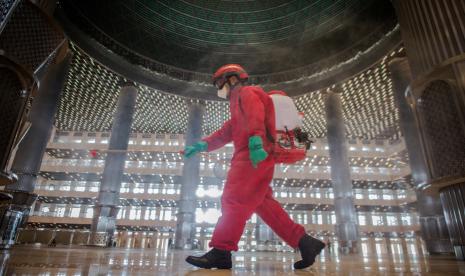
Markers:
point(185, 228)
point(433, 225)
point(107, 205)
point(433, 37)
point(346, 216)
point(31, 150)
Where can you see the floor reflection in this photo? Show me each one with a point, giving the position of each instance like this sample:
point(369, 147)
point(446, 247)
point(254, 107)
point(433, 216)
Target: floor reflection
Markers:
point(378, 256)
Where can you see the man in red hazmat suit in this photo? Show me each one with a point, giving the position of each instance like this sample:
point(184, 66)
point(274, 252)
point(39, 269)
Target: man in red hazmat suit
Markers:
point(247, 189)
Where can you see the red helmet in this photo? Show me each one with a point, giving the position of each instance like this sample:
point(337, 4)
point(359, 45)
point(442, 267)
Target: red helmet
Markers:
point(224, 72)
point(277, 92)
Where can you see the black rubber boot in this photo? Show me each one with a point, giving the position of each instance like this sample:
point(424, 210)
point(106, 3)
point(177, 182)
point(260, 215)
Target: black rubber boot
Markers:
point(309, 248)
point(214, 258)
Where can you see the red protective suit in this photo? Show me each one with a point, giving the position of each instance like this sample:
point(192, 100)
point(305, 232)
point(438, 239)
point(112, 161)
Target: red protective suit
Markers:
point(247, 189)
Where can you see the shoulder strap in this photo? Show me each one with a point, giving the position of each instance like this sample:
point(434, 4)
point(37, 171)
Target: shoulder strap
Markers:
point(268, 134)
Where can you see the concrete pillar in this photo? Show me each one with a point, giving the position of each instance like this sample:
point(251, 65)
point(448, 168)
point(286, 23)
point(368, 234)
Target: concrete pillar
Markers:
point(31, 150)
point(263, 234)
point(158, 213)
point(107, 204)
point(369, 219)
point(432, 33)
point(433, 225)
point(346, 216)
point(388, 243)
point(143, 212)
point(185, 228)
point(453, 201)
point(83, 211)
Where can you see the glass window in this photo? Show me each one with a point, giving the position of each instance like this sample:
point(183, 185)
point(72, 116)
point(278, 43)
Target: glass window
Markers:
point(174, 143)
point(94, 188)
point(121, 213)
point(320, 219)
point(153, 213)
point(377, 220)
point(211, 215)
point(45, 209)
point(387, 195)
point(362, 219)
point(391, 220)
point(75, 211)
point(406, 219)
point(60, 211)
point(401, 194)
point(65, 187)
point(89, 212)
point(373, 194)
point(134, 213)
point(333, 218)
point(167, 214)
point(254, 218)
point(124, 188)
point(139, 188)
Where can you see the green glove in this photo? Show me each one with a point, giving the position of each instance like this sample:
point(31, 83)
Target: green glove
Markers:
point(257, 153)
point(190, 151)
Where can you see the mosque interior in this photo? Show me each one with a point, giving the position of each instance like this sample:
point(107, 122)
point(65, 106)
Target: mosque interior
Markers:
point(99, 99)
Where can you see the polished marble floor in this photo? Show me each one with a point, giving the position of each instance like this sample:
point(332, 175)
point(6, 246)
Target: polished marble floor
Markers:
point(37, 260)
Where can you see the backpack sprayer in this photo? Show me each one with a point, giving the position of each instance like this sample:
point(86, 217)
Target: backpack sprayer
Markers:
point(291, 142)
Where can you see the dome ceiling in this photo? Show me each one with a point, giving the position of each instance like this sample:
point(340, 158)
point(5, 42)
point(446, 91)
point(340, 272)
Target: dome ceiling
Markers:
point(367, 99)
point(267, 37)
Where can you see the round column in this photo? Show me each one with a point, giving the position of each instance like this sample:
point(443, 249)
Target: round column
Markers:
point(185, 228)
point(107, 205)
point(346, 216)
point(28, 157)
point(433, 225)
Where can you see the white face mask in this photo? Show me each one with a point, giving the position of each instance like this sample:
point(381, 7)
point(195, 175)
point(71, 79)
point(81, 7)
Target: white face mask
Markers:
point(223, 92)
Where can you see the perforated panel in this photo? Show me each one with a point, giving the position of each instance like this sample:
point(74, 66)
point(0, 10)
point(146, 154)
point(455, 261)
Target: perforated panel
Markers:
point(90, 94)
point(5, 6)
point(81, 238)
point(29, 37)
point(443, 130)
point(99, 239)
point(11, 107)
point(453, 202)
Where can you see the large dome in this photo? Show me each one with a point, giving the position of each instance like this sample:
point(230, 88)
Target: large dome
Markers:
point(275, 39)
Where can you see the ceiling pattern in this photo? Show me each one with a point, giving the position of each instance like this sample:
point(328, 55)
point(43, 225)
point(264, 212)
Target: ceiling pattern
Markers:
point(195, 37)
point(90, 97)
point(368, 103)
